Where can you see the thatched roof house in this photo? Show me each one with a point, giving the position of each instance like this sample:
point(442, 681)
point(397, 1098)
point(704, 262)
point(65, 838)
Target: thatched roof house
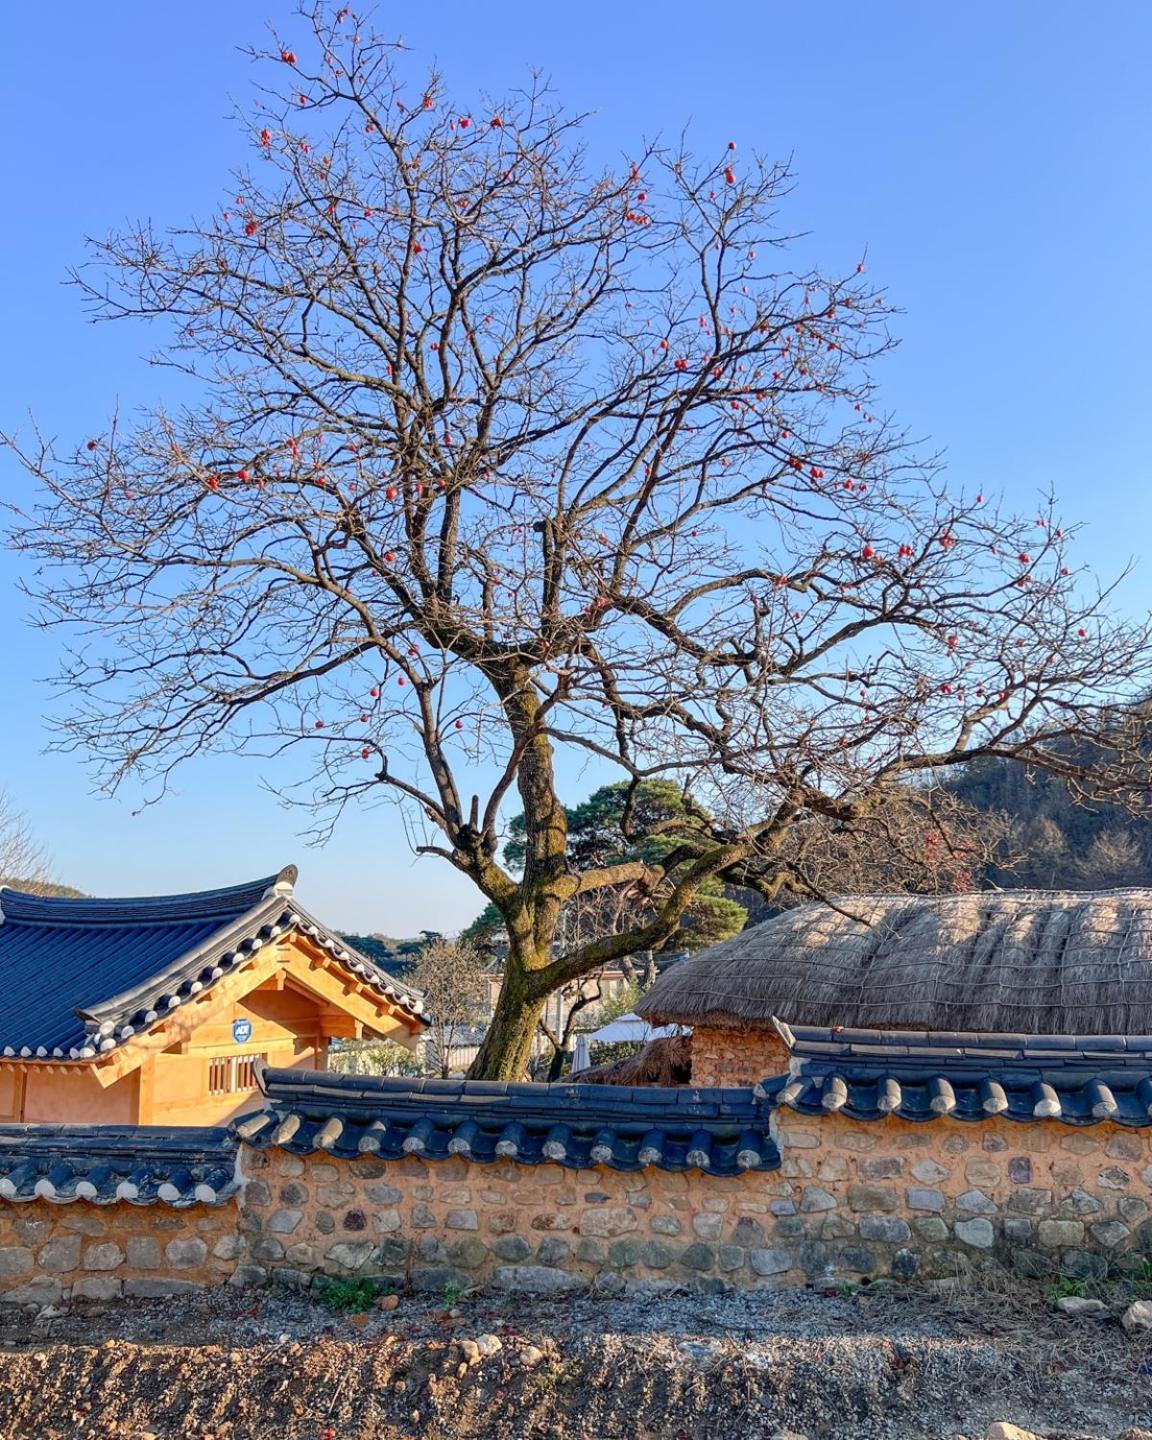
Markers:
point(1024, 961)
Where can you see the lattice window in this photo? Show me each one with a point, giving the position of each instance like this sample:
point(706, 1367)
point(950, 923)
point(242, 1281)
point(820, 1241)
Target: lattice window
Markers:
point(228, 1074)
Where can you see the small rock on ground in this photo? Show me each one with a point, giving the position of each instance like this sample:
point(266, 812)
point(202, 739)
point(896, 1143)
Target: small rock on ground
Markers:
point(1005, 1430)
point(1137, 1317)
point(483, 1347)
point(1080, 1305)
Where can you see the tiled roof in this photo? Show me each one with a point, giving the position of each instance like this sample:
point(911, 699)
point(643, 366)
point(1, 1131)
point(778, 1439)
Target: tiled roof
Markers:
point(79, 977)
point(106, 1164)
point(924, 1075)
point(722, 1131)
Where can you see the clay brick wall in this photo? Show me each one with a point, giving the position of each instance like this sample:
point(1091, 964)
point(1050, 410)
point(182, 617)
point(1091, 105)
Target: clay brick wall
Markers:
point(722, 1057)
point(50, 1253)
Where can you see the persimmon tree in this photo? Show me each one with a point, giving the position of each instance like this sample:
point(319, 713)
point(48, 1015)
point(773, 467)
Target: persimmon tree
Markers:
point(497, 454)
point(659, 818)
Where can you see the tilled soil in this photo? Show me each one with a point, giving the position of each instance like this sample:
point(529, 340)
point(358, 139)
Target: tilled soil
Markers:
point(880, 1365)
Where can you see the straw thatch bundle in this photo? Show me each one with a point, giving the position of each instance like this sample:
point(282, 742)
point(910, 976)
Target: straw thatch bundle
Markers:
point(1033, 961)
point(667, 1061)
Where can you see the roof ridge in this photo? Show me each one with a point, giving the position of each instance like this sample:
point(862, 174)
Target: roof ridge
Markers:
point(23, 906)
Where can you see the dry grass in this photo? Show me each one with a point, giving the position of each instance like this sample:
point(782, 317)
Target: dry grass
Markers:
point(667, 1061)
point(1038, 1341)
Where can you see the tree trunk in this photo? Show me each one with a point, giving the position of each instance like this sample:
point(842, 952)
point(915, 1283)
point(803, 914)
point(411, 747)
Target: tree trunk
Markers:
point(507, 1044)
point(533, 912)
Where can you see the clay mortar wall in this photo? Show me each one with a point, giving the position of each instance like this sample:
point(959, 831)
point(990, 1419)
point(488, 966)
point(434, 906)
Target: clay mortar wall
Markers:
point(52, 1253)
point(852, 1200)
point(723, 1057)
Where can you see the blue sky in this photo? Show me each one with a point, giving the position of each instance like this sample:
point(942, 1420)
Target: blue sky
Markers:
point(991, 158)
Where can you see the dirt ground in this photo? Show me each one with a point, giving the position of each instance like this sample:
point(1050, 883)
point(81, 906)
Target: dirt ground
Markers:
point(882, 1364)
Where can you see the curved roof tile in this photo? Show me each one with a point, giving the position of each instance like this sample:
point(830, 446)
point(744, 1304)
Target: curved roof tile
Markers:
point(80, 976)
point(923, 1076)
point(724, 1132)
point(107, 1164)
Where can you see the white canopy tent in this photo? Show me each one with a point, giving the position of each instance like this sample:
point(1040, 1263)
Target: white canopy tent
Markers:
point(625, 1029)
point(631, 1028)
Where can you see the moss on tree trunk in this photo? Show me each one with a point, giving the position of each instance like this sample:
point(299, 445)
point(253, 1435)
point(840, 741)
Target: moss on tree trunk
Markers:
point(507, 1045)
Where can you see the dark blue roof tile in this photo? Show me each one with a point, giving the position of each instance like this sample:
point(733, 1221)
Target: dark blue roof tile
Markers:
point(868, 1074)
point(79, 976)
point(109, 1164)
point(573, 1125)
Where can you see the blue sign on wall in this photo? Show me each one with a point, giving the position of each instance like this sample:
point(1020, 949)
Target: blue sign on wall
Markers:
point(241, 1031)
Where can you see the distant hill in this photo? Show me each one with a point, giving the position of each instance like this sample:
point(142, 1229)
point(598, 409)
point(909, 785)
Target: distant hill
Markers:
point(1057, 843)
point(1054, 842)
point(43, 887)
point(398, 957)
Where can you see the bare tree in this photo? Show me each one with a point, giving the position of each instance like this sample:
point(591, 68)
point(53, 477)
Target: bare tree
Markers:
point(22, 860)
point(502, 455)
point(454, 978)
point(374, 1057)
point(1115, 858)
point(916, 838)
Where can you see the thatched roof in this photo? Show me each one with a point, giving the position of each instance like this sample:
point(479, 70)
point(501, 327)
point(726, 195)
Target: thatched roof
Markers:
point(667, 1061)
point(1019, 961)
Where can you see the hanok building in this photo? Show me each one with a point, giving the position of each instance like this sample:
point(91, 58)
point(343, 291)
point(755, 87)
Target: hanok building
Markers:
point(158, 1010)
point(1014, 963)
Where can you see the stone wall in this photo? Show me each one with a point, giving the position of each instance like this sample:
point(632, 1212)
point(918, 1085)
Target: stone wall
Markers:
point(736, 1057)
point(893, 1197)
point(534, 1228)
point(851, 1200)
point(79, 1251)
